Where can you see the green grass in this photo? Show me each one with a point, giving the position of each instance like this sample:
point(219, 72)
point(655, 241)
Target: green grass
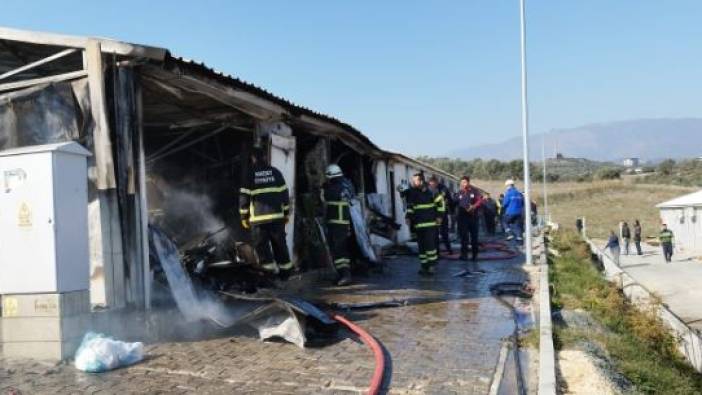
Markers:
point(637, 341)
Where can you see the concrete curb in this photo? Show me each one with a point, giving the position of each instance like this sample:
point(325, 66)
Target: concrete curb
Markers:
point(547, 356)
point(689, 341)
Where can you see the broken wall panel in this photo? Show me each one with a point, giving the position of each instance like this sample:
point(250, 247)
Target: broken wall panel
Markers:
point(126, 132)
point(39, 115)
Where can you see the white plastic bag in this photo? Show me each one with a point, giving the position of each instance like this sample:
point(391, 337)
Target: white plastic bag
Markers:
point(99, 353)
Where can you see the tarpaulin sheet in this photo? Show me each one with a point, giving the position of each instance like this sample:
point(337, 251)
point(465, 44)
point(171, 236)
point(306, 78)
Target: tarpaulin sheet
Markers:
point(361, 231)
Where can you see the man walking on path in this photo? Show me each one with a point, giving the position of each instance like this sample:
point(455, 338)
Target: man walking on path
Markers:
point(613, 245)
point(666, 239)
point(637, 237)
point(626, 237)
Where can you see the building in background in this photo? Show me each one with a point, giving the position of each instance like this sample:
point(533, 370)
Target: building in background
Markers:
point(683, 215)
point(631, 162)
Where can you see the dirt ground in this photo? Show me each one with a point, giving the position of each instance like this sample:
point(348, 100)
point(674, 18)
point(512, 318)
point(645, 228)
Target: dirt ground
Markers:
point(581, 376)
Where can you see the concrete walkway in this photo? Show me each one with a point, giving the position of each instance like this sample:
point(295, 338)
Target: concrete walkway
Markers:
point(678, 283)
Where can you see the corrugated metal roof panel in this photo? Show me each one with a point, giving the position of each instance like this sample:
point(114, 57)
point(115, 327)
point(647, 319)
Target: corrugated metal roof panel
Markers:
point(291, 107)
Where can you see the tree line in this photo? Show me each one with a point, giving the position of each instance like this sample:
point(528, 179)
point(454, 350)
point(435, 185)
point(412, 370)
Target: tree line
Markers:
point(491, 169)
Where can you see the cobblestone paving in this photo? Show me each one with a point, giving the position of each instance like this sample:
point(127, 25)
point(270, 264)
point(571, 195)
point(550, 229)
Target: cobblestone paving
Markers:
point(446, 343)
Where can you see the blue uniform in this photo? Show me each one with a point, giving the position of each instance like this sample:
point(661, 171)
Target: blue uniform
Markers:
point(513, 207)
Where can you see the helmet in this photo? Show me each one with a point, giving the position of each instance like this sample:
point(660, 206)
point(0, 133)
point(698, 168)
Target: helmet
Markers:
point(509, 182)
point(333, 171)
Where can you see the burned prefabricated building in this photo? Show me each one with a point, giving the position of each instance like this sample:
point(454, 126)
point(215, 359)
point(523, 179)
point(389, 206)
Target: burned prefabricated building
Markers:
point(170, 139)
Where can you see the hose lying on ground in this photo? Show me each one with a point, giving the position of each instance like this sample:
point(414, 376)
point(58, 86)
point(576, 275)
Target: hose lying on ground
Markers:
point(368, 340)
point(518, 290)
point(503, 248)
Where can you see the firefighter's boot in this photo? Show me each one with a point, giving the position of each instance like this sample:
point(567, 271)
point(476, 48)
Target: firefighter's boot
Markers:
point(344, 277)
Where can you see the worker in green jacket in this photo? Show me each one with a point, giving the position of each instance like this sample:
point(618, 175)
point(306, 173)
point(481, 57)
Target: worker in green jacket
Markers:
point(666, 239)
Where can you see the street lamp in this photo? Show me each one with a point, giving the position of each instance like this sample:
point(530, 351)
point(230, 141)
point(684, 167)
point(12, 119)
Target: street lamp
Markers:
point(525, 137)
point(543, 158)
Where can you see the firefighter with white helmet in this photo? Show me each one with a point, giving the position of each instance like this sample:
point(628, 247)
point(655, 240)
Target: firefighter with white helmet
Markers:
point(336, 194)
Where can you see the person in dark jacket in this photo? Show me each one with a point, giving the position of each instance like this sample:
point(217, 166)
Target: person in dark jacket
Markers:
point(425, 210)
point(264, 207)
point(626, 237)
point(336, 194)
point(501, 213)
point(613, 245)
point(489, 213)
point(534, 213)
point(637, 237)
point(468, 201)
point(666, 240)
point(441, 189)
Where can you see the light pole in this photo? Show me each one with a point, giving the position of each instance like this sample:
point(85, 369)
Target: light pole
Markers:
point(525, 144)
point(543, 157)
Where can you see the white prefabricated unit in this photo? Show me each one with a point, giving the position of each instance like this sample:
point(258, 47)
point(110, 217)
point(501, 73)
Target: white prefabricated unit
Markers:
point(283, 158)
point(401, 175)
point(382, 185)
point(683, 215)
point(43, 219)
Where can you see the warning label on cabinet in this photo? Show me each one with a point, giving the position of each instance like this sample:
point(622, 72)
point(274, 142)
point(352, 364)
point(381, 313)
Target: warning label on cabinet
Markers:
point(24, 216)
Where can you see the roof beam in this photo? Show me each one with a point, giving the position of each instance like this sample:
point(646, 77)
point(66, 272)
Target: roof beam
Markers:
point(62, 40)
point(39, 62)
point(245, 102)
point(328, 128)
point(43, 80)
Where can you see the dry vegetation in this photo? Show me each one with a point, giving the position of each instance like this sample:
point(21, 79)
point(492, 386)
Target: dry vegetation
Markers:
point(603, 203)
point(636, 341)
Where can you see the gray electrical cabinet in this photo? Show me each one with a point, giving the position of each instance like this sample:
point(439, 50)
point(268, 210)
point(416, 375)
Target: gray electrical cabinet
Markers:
point(44, 257)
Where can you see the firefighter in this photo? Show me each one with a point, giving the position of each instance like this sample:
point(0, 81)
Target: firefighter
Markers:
point(336, 194)
point(443, 231)
point(264, 206)
point(425, 210)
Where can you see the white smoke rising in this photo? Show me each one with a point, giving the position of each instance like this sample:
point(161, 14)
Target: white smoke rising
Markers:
point(186, 214)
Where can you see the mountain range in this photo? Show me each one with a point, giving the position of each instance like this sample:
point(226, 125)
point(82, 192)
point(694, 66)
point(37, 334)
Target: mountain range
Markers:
point(648, 139)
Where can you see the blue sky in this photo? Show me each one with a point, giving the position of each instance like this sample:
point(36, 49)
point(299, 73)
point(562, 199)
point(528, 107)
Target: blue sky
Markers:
point(423, 77)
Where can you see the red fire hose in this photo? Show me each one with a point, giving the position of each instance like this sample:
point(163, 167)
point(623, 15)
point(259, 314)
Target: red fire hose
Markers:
point(368, 340)
point(504, 250)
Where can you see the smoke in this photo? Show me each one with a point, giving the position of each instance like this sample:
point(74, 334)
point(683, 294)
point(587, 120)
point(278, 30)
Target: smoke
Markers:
point(186, 211)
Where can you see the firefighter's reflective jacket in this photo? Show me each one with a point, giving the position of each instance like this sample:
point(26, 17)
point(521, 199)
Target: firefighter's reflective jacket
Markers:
point(336, 194)
point(424, 206)
point(263, 196)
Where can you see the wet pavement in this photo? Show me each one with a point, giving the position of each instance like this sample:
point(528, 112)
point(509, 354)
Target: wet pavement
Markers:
point(446, 341)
